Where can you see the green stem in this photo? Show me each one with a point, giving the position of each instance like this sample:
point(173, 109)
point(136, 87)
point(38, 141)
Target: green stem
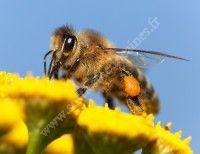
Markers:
point(36, 142)
point(39, 118)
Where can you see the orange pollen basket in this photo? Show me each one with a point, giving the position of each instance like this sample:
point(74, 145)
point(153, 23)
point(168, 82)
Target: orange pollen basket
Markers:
point(132, 86)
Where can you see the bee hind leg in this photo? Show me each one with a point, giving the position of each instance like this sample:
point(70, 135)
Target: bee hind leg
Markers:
point(135, 105)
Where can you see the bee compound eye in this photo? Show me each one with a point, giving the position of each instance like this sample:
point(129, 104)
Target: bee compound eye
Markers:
point(69, 43)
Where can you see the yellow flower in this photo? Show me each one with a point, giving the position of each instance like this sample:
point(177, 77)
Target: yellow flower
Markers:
point(62, 145)
point(15, 141)
point(51, 108)
point(124, 133)
point(102, 130)
point(27, 87)
point(168, 142)
point(10, 113)
point(6, 78)
point(18, 136)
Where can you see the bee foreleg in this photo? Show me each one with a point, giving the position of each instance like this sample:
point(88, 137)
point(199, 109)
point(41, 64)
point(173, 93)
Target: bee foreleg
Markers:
point(71, 70)
point(89, 83)
point(54, 71)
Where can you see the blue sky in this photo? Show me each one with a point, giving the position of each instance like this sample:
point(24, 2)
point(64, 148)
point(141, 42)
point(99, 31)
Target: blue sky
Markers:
point(26, 27)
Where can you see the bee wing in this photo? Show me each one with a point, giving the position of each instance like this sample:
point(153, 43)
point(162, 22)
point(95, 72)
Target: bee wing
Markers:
point(142, 60)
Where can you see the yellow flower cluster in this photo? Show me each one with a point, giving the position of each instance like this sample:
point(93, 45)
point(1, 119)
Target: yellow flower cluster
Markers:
point(41, 115)
point(32, 87)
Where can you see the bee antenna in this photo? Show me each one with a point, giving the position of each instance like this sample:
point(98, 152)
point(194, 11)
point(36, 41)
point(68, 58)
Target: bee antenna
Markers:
point(45, 65)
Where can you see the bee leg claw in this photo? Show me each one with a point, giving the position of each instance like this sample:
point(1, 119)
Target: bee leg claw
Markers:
point(81, 91)
point(110, 102)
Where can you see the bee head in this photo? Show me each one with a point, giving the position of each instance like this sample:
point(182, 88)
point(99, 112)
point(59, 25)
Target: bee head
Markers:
point(63, 41)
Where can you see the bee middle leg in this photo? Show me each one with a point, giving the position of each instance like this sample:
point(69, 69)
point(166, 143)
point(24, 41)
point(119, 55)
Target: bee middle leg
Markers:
point(89, 83)
point(109, 100)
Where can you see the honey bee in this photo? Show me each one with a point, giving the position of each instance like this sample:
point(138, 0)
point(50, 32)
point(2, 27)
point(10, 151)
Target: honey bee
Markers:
point(94, 63)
